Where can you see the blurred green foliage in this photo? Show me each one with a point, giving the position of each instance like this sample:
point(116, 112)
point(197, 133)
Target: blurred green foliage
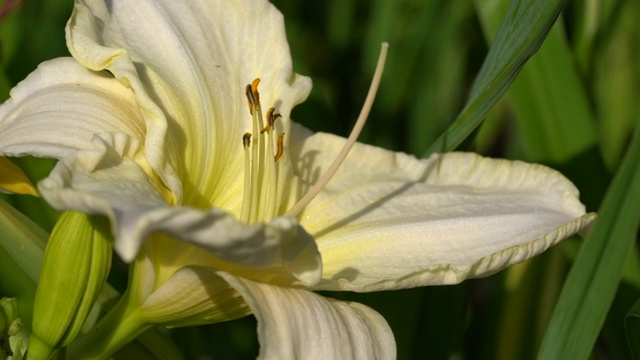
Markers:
point(573, 107)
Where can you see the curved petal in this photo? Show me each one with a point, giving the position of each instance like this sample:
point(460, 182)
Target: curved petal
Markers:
point(193, 295)
point(58, 108)
point(298, 324)
point(188, 67)
point(107, 181)
point(388, 220)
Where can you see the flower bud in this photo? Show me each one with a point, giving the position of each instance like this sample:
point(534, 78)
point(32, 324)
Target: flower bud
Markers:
point(76, 264)
point(11, 341)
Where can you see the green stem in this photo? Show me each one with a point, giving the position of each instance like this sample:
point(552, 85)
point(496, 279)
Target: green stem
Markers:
point(118, 327)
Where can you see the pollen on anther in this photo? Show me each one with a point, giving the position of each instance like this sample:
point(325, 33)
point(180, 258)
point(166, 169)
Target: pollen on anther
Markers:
point(280, 147)
point(254, 89)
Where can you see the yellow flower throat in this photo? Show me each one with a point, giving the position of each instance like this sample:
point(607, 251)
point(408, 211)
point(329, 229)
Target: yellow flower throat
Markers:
point(264, 175)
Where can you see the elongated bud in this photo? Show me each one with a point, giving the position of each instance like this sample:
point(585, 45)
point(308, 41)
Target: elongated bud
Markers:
point(76, 264)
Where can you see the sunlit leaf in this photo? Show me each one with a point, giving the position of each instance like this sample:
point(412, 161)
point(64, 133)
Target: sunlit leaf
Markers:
point(522, 31)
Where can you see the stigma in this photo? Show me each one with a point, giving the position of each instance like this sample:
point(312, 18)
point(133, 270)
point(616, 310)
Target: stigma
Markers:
point(263, 147)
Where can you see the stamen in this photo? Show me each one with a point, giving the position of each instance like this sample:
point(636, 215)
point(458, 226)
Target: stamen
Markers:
point(257, 154)
point(246, 201)
point(362, 119)
point(280, 147)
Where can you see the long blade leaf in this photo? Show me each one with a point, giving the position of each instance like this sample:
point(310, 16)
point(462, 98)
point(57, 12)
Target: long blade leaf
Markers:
point(548, 96)
point(592, 282)
point(522, 31)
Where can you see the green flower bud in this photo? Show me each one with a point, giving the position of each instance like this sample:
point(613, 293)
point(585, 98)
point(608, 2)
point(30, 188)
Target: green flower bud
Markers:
point(76, 264)
point(9, 312)
point(11, 336)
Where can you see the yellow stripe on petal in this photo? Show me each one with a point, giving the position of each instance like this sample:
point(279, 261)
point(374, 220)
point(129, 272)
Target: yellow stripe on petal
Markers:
point(12, 179)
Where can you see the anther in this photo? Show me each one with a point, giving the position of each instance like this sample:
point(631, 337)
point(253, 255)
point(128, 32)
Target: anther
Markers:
point(253, 96)
point(280, 147)
point(250, 98)
point(246, 140)
point(272, 115)
point(256, 94)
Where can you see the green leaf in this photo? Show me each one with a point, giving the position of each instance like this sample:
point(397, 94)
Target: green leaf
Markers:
point(616, 85)
point(22, 245)
point(524, 28)
point(549, 99)
point(632, 324)
point(593, 17)
point(592, 282)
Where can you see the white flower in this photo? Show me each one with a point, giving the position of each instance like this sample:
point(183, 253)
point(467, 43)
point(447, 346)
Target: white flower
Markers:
point(158, 142)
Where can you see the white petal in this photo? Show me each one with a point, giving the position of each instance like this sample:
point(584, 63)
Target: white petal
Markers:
point(388, 220)
point(58, 108)
point(107, 181)
point(188, 63)
point(298, 324)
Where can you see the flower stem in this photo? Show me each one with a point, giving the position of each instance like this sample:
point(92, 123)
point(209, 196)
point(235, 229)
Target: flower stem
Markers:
point(118, 327)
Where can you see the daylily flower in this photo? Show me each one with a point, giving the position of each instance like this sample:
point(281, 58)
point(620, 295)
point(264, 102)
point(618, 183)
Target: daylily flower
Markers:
point(155, 127)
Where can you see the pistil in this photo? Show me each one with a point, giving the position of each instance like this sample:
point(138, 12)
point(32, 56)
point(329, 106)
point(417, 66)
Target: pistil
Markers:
point(351, 140)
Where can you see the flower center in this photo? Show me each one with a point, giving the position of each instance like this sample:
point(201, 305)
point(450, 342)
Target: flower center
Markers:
point(262, 170)
point(263, 173)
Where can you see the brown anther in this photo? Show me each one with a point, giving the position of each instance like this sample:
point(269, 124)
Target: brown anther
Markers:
point(253, 96)
point(250, 98)
point(254, 89)
point(272, 115)
point(246, 140)
point(280, 147)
